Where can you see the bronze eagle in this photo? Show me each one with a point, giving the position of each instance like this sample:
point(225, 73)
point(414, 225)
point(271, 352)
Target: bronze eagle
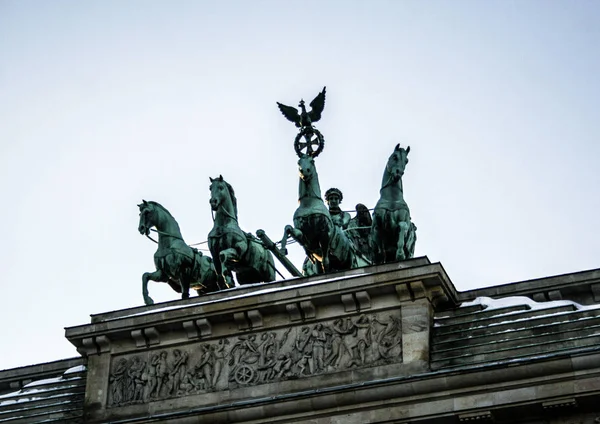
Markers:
point(304, 118)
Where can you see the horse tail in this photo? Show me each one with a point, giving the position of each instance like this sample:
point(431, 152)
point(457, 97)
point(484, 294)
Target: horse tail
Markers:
point(257, 251)
point(203, 272)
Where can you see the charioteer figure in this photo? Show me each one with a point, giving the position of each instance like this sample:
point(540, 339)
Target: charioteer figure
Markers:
point(334, 197)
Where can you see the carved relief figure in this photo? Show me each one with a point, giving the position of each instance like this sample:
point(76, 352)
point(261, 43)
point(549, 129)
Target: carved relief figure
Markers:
point(188, 383)
point(389, 338)
point(151, 376)
point(319, 339)
point(204, 369)
point(218, 354)
point(118, 382)
point(162, 372)
point(283, 367)
point(267, 358)
point(135, 373)
point(320, 348)
point(243, 354)
point(178, 370)
point(362, 337)
point(338, 344)
point(303, 346)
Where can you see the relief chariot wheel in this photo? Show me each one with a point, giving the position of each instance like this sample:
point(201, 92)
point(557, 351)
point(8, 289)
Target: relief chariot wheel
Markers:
point(309, 141)
point(244, 375)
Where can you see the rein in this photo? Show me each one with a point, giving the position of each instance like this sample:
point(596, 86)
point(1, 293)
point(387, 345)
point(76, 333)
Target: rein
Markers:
point(390, 179)
point(163, 234)
point(225, 211)
point(171, 235)
point(310, 192)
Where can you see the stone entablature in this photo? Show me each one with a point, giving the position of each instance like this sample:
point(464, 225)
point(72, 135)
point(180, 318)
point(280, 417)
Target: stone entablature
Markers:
point(384, 344)
point(276, 338)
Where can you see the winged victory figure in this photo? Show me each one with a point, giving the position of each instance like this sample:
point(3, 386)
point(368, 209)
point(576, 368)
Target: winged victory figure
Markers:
point(304, 118)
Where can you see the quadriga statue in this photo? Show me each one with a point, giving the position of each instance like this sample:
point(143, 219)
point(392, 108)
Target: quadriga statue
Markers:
point(393, 235)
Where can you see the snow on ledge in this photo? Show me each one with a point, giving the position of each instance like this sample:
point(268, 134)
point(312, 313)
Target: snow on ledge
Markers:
point(78, 368)
point(27, 392)
point(489, 304)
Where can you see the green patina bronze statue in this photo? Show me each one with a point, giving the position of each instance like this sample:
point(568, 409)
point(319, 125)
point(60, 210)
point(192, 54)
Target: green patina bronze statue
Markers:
point(393, 235)
point(231, 248)
point(327, 246)
point(177, 264)
point(314, 142)
point(359, 230)
point(334, 197)
point(332, 240)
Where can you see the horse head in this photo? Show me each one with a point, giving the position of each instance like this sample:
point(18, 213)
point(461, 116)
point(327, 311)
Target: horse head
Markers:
point(147, 218)
point(306, 168)
point(222, 195)
point(397, 163)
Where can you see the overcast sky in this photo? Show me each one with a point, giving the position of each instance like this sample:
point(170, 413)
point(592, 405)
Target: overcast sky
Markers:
point(105, 103)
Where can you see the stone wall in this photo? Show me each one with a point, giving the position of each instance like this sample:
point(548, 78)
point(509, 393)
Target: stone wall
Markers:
point(385, 344)
point(272, 339)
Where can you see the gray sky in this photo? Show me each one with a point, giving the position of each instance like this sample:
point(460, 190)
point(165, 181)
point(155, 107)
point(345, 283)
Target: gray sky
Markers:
point(106, 103)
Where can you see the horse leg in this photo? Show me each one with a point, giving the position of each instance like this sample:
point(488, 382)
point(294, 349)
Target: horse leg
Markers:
point(218, 266)
point(225, 257)
point(403, 231)
point(185, 287)
point(296, 234)
point(324, 244)
point(157, 276)
point(411, 239)
point(242, 253)
point(376, 242)
point(286, 233)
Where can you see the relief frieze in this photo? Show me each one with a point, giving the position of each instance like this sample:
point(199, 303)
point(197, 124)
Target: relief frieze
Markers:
point(257, 358)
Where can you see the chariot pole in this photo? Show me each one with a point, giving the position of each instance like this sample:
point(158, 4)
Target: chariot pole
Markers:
point(268, 243)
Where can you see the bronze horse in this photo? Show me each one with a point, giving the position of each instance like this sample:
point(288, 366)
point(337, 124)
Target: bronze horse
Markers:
point(393, 235)
point(326, 245)
point(231, 248)
point(177, 264)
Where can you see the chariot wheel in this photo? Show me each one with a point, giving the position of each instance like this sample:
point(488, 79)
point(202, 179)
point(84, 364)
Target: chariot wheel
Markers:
point(309, 141)
point(244, 375)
